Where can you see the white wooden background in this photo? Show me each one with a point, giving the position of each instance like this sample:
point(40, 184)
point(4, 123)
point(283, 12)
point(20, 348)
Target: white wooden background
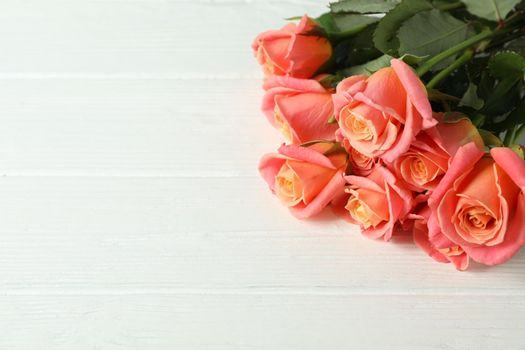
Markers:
point(132, 215)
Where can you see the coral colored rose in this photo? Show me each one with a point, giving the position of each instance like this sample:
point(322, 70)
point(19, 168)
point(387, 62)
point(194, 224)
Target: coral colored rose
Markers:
point(360, 164)
point(293, 50)
point(305, 179)
point(426, 161)
point(376, 203)
point(479, 204)
point(451, 254)
point(299, 108)
point(381, 115)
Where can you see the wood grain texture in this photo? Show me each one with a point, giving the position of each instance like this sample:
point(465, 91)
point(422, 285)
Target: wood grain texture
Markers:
point(185, 39)
point(258, 321)
point(91, 233)
point(133, 216)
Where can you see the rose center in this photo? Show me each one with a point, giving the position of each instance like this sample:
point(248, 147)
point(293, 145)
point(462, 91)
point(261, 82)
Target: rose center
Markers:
point(480, 221)
point(359, 212)
point(419, 169)
point(288, 186)
point(359, 128)
point(476, 225)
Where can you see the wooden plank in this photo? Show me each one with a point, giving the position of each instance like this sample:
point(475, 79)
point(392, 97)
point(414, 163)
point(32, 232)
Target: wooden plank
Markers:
point(167, 127)
point(261, 322)
point(97, 233)
point(119, 38)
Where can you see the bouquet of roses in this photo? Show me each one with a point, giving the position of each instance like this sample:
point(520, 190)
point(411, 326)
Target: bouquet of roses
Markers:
point(403, 116)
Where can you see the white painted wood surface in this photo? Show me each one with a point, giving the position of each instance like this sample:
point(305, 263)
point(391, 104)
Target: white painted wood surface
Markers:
point(132, 216)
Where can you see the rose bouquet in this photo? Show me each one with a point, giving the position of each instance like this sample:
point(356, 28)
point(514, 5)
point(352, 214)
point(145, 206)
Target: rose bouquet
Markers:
point(403, 116)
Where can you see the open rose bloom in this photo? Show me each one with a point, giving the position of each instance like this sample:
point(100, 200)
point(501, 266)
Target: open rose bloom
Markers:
point(381, 115)
point(375, 202)
point(387, 151)
point(305, 179)
point(480, 205)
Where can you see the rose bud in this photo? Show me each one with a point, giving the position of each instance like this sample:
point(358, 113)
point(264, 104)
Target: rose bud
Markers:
point(299, 108)
point(381, 115)
point(305, 178)
point(426, 161)
point(376, 203)
point(452, 254)
point(479, 204)
point(293, 50)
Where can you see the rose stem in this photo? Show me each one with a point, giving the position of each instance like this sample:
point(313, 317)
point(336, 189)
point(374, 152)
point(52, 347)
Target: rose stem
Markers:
point(426, 66)
point(467, 56)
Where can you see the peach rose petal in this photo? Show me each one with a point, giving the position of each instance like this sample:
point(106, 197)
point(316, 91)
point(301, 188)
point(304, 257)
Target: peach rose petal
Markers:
point(346, 89)
point(322, 199)
point(307, 155)
point(466, 157)
point(453, 135)
point(512, 163)
point(415, 90)
point(422, 241)
point(269, 166)
point(412, 127)
point(385, 92)
point(313, 177)
point(514, 240)
point(307, 115)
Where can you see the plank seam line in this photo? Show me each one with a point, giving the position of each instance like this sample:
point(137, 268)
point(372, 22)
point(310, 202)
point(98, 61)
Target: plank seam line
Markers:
point(267, 292)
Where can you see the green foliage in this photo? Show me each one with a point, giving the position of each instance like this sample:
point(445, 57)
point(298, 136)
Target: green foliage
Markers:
point(503, 97)
point(489, 139)
point(517, 45)
point(471, 98)
point(363, 6)
point(385, 38)
point(342, 25)
point(517, 116)
point(428, 33)
point(369, 67)
point(357, 49)
point(486, 82)
point(507, 65)
point(493, 10)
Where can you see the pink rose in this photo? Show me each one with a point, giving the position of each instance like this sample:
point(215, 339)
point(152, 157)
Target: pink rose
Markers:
point(479, 204)
point(381, 115)
point(376, 203)
point(426, 161)
point(450, 254)
point(292, 50)
point(299, 108)
point(305, 178)
point(360, 164)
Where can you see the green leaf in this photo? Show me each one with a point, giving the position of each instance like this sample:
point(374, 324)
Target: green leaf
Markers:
point(385, 38)
point(412, 59)
point(343, 25)
point(517, 116)
point(517, 45)
point(369, 67)
point(364, 6)
point(471, 98)
point(493, 10)
point(489, 139)
point(503, 97)
point(431, 32)
point(507, 64)
point(356, 49)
